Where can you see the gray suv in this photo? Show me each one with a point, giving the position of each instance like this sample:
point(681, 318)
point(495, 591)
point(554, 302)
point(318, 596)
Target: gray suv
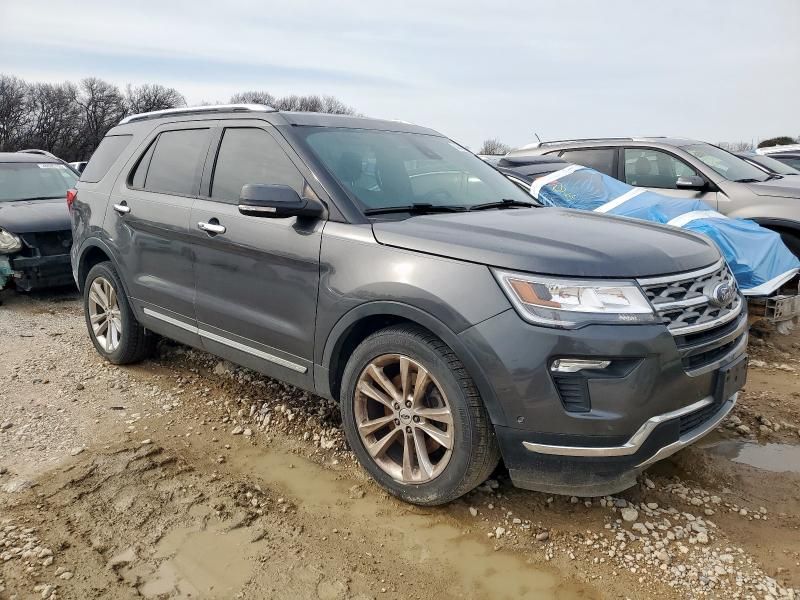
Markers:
point(383, 265)
point(690, 169)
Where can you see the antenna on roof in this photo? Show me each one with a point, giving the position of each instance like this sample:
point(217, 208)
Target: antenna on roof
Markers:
point(537, 137)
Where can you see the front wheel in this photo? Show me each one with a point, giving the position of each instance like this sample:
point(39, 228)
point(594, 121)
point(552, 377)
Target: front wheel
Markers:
point(414, 417)
point(115, 332)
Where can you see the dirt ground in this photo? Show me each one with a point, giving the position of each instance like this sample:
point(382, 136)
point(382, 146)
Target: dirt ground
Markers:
point(188, 477)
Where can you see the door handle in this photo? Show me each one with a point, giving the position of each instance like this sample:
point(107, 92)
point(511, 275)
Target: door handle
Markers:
point(211, 227)
point(122, 209)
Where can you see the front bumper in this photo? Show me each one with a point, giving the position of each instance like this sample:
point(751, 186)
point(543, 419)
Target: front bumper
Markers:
point(661, 399)
point(36, 272)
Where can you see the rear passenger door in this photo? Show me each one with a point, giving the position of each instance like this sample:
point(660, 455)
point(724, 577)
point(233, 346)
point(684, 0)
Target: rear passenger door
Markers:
point(149, 219)
point(256, 278)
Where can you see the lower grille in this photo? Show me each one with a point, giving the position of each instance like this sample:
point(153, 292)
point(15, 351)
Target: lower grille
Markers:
point(698, 417)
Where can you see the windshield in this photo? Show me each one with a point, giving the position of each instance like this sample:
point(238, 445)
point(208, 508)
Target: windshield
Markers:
point(35, 181)
point(775, 166)
point(726, 164)
point(384, 169)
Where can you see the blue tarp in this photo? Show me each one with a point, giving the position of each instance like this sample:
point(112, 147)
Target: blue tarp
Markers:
point(758, 258)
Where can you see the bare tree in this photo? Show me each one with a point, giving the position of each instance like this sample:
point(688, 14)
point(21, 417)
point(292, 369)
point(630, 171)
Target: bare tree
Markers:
point(493, 147)
point(150, 97)
point(294, 102)
point(54, 119)
point(102, 106)
point(253, 97)
point(13, 111)
point(736, 146)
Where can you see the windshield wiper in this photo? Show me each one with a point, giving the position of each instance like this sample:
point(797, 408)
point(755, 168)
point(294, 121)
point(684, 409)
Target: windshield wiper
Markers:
point(504, 203)
point(748, 180)
point(417, 208)
point(774, 176)
point(39, 198)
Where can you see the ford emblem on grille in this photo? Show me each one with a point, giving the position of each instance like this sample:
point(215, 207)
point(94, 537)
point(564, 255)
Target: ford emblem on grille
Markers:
point(722, 294)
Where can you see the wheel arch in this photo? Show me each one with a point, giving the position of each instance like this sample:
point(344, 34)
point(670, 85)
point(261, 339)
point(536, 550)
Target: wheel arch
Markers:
point(356, 325)
point(92, 252)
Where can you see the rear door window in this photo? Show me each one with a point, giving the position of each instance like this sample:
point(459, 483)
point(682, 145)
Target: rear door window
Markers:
point(599, 159)
point(249, 155)
point(177, 162)
point(645, 167)
point(106, 154)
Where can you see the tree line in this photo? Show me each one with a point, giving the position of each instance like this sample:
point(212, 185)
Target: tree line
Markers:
point(70, 119)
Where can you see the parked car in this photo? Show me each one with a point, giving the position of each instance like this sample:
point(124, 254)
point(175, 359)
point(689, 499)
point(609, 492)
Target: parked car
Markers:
point(789, 154)
point(382, 265)
point(767, 163)
point(689, 169)
point(35, 233)
point(766, 271)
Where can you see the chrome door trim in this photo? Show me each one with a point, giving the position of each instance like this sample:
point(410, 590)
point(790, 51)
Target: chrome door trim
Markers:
point(227, 341)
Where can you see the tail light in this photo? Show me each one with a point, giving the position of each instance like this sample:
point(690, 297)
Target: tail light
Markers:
point(71, 195)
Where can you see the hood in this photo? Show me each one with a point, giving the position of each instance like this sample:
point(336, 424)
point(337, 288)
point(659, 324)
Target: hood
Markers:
point(31, 216)
point(552, 241)
point(785, 187)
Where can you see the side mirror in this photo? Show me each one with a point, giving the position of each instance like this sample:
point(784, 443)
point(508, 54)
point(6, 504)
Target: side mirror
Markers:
point(690, 182)
point(276, 202)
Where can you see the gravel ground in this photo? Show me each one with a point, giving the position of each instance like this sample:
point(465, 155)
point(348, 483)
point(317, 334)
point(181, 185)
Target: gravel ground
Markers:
point(188, 477)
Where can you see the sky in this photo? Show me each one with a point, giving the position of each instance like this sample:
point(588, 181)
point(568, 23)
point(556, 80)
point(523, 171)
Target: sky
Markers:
point(715, 70)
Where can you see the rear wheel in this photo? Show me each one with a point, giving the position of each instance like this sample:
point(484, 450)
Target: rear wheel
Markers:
point(414, 418)
point(113, 328)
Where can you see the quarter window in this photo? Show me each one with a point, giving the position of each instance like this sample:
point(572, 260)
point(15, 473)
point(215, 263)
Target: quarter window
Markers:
point(176, 162)
point(645, 167)
point(107, 152)
point(248, 155)
point(599, 159)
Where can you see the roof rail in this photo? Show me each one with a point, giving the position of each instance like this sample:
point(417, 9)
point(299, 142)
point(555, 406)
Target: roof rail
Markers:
point(198, 110)
point(775, 149)
point(37, 151)
point(605, 139)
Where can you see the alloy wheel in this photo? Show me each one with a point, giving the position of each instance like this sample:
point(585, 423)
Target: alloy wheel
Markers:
point(104, 314)
point(404, 419)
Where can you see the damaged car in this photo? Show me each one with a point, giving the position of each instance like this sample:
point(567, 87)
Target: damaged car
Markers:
point(35, 235)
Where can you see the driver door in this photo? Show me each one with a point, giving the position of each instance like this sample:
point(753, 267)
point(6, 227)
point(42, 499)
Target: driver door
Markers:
point(658, 171)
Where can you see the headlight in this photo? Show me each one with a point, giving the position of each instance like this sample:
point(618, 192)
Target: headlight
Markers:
point(572, 303)
point(9, 242)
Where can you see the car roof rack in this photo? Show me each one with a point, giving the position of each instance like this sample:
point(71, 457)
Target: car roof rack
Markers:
point(197, 110)
point(777, 149)
point(37, 151)
point(601, 139)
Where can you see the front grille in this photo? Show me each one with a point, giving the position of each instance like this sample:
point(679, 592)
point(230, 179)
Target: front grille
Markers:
point(49, 243)
point(686, 302)
point(698, 417)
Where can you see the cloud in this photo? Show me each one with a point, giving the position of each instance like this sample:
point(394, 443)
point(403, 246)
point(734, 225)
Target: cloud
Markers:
point(469, 68)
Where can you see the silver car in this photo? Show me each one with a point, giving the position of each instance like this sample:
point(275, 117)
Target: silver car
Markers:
point(690, 169)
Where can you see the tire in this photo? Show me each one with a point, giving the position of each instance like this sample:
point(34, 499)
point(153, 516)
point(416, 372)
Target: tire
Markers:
point(474, 451)
point(131, 343)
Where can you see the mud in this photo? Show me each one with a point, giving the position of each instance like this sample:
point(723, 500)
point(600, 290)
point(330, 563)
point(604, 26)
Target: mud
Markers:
point(133, 479)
